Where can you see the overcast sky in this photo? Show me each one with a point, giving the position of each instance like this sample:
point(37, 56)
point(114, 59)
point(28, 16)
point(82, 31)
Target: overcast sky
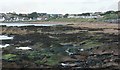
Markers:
point(57, 6)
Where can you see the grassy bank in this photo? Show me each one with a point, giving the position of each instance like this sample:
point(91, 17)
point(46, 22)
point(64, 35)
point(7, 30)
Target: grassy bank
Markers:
point(73, 20)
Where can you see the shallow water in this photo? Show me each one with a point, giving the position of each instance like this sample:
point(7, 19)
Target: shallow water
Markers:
point(28, 24)
point(5, 37)
point(3, 46)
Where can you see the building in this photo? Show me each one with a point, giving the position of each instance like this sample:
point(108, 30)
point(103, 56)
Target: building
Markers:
point(84, 16)
point(73, 16)
point(55, 16)
point(1, 17)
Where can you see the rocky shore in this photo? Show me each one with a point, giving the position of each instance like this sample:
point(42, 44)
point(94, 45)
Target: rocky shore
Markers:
point(72, 46)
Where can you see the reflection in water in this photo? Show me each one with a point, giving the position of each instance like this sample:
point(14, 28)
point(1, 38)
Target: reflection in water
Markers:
point(28, 24)
point(4, 37)
point(3, 46)
point(24, 48)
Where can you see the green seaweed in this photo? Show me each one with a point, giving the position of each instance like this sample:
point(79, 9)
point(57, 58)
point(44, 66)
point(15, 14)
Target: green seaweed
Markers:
point(9, 57)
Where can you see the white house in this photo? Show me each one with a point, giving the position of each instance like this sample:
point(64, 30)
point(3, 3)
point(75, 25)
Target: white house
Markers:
point(82, 16)
point(1, 17)
point(73, 16)
point(92, 15)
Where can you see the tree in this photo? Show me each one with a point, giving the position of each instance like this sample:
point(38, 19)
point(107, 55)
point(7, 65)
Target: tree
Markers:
point(23, 15)
point(66, 15)
point(33, 15)
point(42, 14)
point(85, 14)
point(111, 15)
point(109, 12)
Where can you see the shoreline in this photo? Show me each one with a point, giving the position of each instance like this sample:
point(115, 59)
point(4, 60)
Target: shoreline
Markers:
point(82, 24)
point(39, 22)
point(76, 24)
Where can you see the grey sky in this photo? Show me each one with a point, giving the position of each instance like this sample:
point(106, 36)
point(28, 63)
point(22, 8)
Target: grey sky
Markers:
point(57, 6)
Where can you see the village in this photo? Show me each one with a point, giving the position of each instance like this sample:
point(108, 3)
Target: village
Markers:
point(34, 16)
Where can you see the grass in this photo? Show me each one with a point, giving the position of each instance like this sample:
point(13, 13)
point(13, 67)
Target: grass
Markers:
point(90, 44)
point(51, 60)
point(9, 57)
point(59, 20)
point(72, 20)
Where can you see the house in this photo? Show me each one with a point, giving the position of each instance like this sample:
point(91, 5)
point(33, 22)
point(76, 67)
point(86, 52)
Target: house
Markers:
point(55, 16)
point(98, 13)
point(20, 19)
point(14, 17)
point(85, 15)
point(26, 18)
point(8, 17)
point(73, 16)
point(60, 15)
point(1, 17)
point(92, 16)
point(42, 18)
